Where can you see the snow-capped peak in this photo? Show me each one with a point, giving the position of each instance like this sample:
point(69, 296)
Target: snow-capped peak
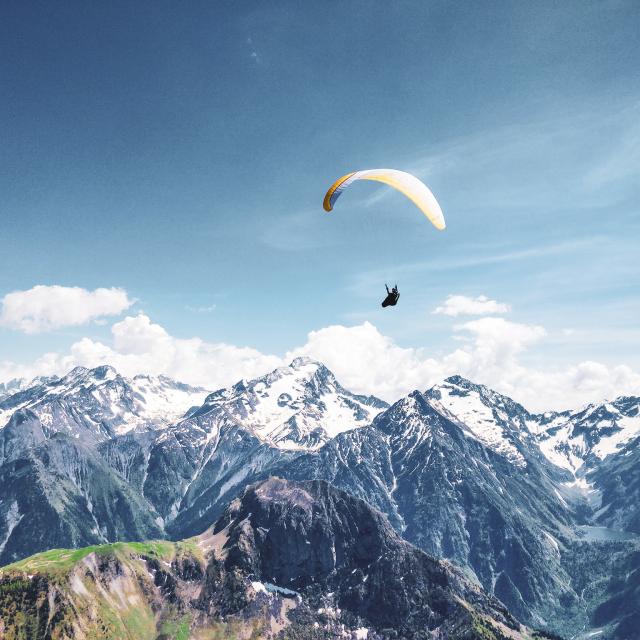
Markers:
point(494, 420)
point(299, 406)
point(567, 439)
point(100, 401)
point(15, 385)
point(571, 438)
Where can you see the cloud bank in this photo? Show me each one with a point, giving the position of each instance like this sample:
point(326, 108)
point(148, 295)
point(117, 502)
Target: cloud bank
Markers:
point(140, 346)
point(490, 351)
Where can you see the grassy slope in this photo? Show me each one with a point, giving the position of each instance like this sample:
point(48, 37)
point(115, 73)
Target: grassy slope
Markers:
point(83, 607)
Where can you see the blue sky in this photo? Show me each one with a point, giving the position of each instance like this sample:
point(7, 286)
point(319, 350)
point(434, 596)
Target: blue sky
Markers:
point(181, 153)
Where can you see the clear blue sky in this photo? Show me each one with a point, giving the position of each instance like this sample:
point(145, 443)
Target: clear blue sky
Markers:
point(181, 151)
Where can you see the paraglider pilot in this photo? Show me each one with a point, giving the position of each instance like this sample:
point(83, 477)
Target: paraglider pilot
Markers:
point(392, 297)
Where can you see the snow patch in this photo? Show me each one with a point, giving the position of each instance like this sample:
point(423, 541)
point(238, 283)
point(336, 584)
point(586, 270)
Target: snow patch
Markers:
point(553, 541)
point(12, 519)
point(268, 588)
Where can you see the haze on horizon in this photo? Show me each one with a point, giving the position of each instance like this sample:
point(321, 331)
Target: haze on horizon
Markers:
point(162, 172)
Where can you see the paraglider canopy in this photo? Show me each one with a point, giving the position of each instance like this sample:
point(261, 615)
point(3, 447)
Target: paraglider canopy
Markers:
point(404, 182)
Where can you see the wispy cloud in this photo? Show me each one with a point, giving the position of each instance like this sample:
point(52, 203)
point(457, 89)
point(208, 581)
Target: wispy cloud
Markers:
point(369, 278)
point(202, 309)
point(573, 160)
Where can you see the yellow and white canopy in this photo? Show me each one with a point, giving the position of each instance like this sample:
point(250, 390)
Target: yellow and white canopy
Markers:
point(404, 182)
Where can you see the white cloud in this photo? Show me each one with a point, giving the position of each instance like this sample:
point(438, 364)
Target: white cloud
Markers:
point(465, 306)
point(366, 361)
point(141, 346)
point(490, 352)
point(45, 308)
point(501, 339)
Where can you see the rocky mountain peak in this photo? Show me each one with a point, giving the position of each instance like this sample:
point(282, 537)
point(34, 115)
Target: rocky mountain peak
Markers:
point(10, 387)
point(325, 545)
point(299, 406)
point(99, 402)
point(495, 420)
point(578, 440)
point(83, 375)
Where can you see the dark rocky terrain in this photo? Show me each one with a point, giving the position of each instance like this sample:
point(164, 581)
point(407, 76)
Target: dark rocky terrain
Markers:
point(292, 560)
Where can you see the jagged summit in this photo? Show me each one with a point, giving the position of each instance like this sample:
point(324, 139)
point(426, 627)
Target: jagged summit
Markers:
point(493, 419)
point(301, 405)
point(303, 361)
point(458, 385)
point(578, 440)
point(570, 439)
point(10, 387)
point(460, 381)
point(102, 372)
point(338, 545)
point(99, 402)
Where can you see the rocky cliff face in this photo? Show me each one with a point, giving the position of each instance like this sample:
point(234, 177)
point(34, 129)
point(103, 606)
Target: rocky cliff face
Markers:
point(288, 560)
point(62, 493)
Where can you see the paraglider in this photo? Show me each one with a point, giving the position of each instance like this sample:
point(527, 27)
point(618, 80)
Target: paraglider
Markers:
point(403, 182)
point(392, 297)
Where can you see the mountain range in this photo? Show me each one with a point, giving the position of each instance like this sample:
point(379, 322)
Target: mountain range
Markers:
point(540, 510)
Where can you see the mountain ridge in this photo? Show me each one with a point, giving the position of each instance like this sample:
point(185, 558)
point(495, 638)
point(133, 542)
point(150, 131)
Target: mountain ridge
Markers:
point(459, 470)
